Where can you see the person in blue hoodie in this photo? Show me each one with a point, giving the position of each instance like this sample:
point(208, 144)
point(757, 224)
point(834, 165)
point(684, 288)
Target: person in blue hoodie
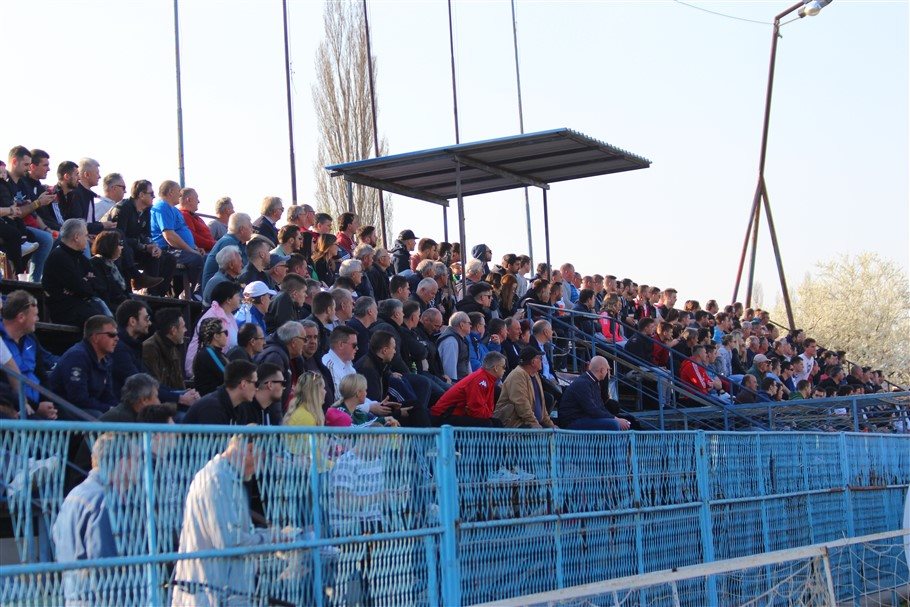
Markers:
point(477, 349)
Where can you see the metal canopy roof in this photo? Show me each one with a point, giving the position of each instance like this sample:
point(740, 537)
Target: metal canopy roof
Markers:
point(533, 159)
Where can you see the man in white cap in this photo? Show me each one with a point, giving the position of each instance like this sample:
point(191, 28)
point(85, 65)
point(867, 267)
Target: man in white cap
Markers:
point(256, 299)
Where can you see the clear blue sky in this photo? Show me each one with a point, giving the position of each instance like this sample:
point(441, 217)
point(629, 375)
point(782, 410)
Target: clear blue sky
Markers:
point(679, 86)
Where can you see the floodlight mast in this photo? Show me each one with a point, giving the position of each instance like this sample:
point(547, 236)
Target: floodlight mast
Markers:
point(805, 8)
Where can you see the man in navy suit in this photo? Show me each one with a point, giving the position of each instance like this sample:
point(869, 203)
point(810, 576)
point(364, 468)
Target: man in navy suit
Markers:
point(582, 407)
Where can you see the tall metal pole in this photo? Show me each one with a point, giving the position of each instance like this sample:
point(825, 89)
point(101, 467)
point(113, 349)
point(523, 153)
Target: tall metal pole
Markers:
point(445, 216)
point(546, 234)
point(780, 265)
point(366, 28)
point(521, 126)
point(180, 167)
point(287, 84)
point(755, 213)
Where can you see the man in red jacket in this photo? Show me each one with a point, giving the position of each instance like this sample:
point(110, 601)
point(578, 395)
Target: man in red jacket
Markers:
point(189, 204)
point(694, 374)
point(471, 401)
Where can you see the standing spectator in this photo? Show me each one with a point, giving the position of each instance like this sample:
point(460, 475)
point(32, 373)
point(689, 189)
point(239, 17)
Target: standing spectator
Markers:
point(470, 402)
point(209, 360)
point(162, 353)
point(217, 516)
point(401, 252)
point(218, 227)
point(83, 374)
point(112, 288)
point(266, 225)
point(189, 204)
point(224, 406)
point(73, 291)
point(172, 235)
point(83, 530)
point(521, 403)
point(348, 224)
point(582, 406)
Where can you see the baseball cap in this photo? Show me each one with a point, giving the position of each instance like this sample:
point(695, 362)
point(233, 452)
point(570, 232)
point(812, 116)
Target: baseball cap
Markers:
point(258, 288)
point(275, 259)
point(760, 358)
point(528, 354)
point(407, 235)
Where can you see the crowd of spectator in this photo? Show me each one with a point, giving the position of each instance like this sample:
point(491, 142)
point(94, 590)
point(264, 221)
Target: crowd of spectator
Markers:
point(307, 326)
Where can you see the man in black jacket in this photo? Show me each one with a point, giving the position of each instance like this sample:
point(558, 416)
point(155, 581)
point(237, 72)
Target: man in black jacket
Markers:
point(225, 406)
point(582, 406)
point(68, 279)
point(365, 314)
point(401, 252)
point(288, 304)
point(512, 346)
point(378, 275)
point(83, 201)
point(271, 209)
point(131, 216)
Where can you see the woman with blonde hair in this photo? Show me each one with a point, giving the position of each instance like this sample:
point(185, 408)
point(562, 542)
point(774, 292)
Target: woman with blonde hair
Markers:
point(353, 390)
point(305, 407)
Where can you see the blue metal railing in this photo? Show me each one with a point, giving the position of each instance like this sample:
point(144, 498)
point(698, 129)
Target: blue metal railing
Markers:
point(455, 516)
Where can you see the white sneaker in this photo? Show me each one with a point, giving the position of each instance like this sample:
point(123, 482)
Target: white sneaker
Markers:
point(29, 247)
point(502, 476)
point(523, 475)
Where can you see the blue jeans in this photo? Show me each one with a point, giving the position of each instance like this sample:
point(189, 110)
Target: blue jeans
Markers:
point(36, 263)
point(590, 423)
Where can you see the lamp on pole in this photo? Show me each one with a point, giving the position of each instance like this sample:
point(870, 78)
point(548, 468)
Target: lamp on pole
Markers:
point(805, 8)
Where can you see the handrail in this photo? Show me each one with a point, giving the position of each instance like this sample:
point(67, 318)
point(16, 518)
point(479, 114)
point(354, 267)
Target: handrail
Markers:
point(67, 406)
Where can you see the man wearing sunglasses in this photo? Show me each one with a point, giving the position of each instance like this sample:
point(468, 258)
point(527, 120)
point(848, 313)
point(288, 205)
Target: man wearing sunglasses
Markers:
point(265, 409)
point(83, 374)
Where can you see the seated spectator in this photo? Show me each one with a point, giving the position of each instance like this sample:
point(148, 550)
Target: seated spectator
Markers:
point(218, 227)
point(835, 378)
point(209, 360)
point(479, 299)
point(266, 225)
point(610, 323)
point(512, 345)
point(17, 331)
point(760, 367)
point(339, 359)
point(217, 516)
point(454, 352)
point(250, 342)
point(225, 301)
point(73, 290)
point(230, 266)
point(377, 371)
point(542, 339)
point(641, 344)
point(171, 234)
point(189, 204)
point(803, 390)
point(770, 391)
point(694, 374)
point(723, 364)
point(355, 403)
point(240, 230)
point(586, 325)
point(378, 274)
point(477, 350)
point(344, 306)
point(424, 293)
point(323, 315)
point(508, 296)
point(257, 251)
point(365, 254)
point(305, 406)
point(364, 314)
point(289, 241)
point(266, 407)
point(427, 332)
point(425, 269)
point(471, 401)
point(162, 353)
point(288, 305)
point(257, 297)
point(473, 274)
point(133, 325)
point(582, 406)
point(131, 216)
point(224, 405)
point(324, 252)
point(83, 374)
point(399, 288)
point(84, 529)
point(14, 236)
point(111, 286)
point(522, 403)
point(139, 391)
point(749, 392)
point(401, 252)
point(427, 250)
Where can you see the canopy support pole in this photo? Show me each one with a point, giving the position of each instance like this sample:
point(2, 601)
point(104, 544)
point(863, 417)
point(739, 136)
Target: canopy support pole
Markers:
point(546, 234)
point(464, 245)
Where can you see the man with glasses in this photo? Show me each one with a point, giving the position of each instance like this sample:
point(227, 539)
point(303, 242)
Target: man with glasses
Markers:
point(225, 406)
point(114, 191)
point(83, 374)
point(266, 407)
point(131, 216)
point(342, 351)
point(479, 299)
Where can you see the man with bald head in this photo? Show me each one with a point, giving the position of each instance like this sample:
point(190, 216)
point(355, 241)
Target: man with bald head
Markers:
point(582, 406)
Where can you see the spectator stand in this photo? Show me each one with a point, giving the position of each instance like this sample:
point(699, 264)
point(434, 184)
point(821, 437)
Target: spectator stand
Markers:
point(520, 161)
point(661, 401)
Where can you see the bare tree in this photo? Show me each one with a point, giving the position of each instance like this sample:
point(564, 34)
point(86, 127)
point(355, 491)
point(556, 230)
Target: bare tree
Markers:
point(341, 95)
point(860, 305)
